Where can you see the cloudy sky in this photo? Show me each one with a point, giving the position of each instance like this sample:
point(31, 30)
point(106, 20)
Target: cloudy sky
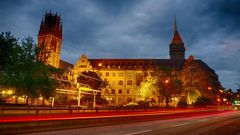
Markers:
point(137, 29)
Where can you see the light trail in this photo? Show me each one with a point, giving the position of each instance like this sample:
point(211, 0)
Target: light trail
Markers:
point(162, 114)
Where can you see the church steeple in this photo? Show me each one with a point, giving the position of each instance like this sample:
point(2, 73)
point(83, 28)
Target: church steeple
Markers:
point(175, 23)
point(177, 49)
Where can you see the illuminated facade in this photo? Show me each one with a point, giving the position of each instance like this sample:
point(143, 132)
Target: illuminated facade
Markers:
point(50, 39)
point(129, 79)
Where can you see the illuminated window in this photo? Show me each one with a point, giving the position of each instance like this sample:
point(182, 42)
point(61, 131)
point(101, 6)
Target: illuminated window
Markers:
point(120, 82)
point(120, 74)
point(128, 91)
point(113, 74)
point(107, 73)
point(129, 75)
point(129, 99)
point(120, 91)
point(113, 91)
point(129, 82)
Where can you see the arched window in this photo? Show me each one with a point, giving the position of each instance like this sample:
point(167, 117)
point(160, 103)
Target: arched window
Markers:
point(120, 91)
point(113, 91)
point(128, 91)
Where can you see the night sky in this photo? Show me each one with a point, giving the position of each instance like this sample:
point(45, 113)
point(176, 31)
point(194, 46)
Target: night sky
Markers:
point(210, 29)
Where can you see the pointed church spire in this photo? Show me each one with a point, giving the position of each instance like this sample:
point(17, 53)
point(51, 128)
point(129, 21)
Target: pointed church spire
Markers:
point(176, 37)
point(175, 23)
point(177, 49)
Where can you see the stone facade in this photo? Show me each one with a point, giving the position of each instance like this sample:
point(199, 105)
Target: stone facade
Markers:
point(129, 80)
point(50, 39)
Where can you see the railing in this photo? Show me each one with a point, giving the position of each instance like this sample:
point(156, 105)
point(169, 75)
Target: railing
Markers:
point(4, 110)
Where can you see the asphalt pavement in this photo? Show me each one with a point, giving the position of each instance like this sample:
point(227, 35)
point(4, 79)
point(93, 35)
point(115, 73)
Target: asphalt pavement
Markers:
point(225, 123)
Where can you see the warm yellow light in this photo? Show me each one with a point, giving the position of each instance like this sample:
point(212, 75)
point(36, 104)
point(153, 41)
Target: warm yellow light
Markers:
point(99, 64)
point(3, 92)
point(224, 99)
point(40, 98)
point(221, 91)
point(209, 88)
point(9, 92)
point(218, 100)
point(166, 81)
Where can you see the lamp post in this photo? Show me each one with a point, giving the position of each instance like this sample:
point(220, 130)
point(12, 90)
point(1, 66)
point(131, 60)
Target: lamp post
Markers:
point(210, 89)
point(79, 94)
point(94, 99)
point(167, 100)
point(166, 81)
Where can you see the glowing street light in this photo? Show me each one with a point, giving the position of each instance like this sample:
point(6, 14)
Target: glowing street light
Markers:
point(166, 81)
point(3, 92)
point(209, 88)
point(9, 92)
point(99, 64)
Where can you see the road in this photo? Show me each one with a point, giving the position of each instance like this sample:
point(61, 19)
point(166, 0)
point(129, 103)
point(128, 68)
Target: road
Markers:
point(226, 123)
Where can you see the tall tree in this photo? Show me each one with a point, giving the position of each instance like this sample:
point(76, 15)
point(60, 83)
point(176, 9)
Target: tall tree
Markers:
point(168, 84)
point(8, 49)
point(21, 69)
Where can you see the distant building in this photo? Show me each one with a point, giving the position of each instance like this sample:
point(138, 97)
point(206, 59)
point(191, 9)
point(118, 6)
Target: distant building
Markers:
point(127, 77)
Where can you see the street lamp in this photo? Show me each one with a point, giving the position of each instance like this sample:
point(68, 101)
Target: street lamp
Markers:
point(166, 81)
point(221, 91)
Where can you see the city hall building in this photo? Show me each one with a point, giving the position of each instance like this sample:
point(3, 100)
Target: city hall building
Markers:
point(128, 79)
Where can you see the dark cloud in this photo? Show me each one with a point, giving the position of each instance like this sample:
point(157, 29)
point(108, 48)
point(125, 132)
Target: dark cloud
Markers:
point(137, 29)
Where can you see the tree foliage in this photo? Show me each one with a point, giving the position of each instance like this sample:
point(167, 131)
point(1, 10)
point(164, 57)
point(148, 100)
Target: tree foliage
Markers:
point(168, 84)
point(20, 69)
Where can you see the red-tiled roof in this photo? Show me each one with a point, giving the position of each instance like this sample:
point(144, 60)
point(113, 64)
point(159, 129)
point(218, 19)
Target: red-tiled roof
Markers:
point(65, 65)
point(177, 38)
point(136, 63)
